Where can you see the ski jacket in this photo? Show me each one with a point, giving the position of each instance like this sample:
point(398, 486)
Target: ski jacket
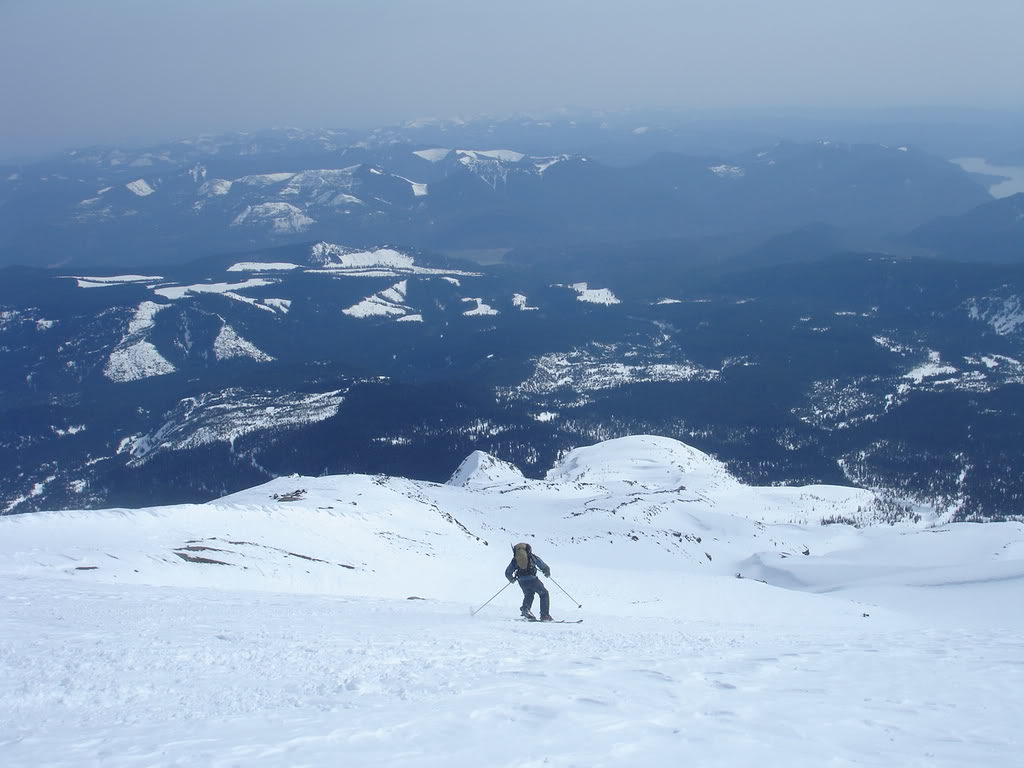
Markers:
point(529, 573)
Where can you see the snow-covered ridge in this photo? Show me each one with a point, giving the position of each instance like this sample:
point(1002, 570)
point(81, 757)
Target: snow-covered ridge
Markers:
point(229, 344)
point(564, 379)
point(230, 414)
point(481, 469)
point(280, 218)
point(1004, 313)
point(258, 615)
point(387, 303)
point(340, 260)
point(135, 357)
point(103, 281)
point(174, 292)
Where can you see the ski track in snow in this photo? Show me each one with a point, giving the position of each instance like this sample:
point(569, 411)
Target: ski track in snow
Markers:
point(273, 627)
point(210, 678)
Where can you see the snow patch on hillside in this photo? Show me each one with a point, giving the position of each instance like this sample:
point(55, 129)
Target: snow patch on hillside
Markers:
point(175, 292)
point(931, 369)
point(1005, 314)
point(215, 188)
point(594, 295)
point(504, 155)
point(387, 303)
point(727, 171)
point(519, 301)
point(481, 308)
point(105, 281)
point(135, 357)
point(262, 266)
point(229, 344)
point(565, 378)
point(140, 188)
point(136, 360)
point(227, 415)
point(282, 218)
point(433, 155)
point(339, 260)
point(279, 305)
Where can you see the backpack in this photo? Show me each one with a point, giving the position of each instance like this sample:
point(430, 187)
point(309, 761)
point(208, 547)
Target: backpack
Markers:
point(524, 557)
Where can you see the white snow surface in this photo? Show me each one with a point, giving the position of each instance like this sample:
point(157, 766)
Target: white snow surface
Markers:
point(520, 302)
point(140, 188)
point(135, 357)
point(229, 344)
point(594, 295)
point(433, 155)
point(480, 469)
point(504, 155)
point(480, 309)
point(273, 627)
point(104, 281)
point(339, 260)
point(282, 218)
point(387, 303)
point(262, 266)
point(180, 291)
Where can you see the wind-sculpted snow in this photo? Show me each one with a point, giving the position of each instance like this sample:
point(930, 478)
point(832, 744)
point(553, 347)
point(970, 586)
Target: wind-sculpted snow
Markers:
point(722, 625)
point(227, 415)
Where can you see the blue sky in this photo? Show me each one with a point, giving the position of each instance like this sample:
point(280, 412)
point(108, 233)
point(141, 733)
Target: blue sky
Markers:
point(124, 70)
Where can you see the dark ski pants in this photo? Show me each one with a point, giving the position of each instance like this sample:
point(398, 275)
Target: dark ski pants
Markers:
point(533, 586)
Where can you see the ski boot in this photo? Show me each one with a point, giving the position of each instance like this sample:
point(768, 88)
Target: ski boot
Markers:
point(546, 617)
point(526, 614)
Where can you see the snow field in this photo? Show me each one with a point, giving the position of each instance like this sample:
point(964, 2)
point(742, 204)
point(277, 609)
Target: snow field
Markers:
point(276, 626)
point(124, 675)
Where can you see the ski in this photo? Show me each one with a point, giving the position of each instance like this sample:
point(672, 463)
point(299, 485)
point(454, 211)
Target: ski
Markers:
point(556, 621)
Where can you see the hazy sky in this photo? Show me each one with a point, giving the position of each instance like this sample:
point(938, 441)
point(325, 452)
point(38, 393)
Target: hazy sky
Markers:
point(102, 71)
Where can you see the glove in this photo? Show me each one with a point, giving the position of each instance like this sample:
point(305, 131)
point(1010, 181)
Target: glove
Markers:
point(511, 580)
point(547, 573)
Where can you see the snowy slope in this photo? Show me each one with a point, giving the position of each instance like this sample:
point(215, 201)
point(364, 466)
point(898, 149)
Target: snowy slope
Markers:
point(276, 626)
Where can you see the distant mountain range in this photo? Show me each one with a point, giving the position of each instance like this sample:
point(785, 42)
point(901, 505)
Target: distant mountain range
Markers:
point(193, 381)
point(318, 301)
point(177, 202)
point(991, 232)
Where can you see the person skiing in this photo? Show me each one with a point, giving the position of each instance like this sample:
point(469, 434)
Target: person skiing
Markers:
point(523, 568)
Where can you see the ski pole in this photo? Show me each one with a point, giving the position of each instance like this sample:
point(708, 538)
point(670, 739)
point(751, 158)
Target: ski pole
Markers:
point(474, 613)
point(578, 604)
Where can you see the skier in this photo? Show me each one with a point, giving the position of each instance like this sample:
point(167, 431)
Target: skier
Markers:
point(524, 567)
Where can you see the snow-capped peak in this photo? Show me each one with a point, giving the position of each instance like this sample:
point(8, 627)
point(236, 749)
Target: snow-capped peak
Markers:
point(480, 469)
point(647, 461)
